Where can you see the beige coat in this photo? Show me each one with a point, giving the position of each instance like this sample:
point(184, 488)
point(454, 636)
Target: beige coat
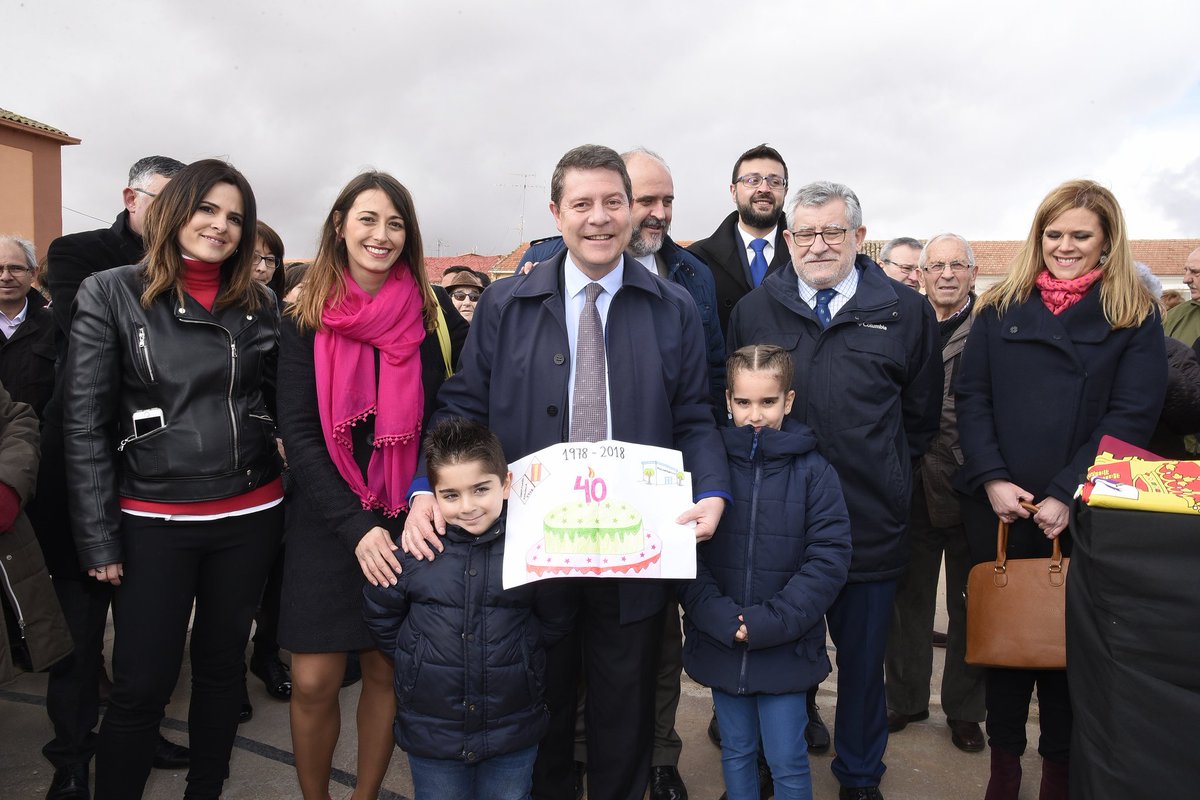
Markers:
point(34, 634)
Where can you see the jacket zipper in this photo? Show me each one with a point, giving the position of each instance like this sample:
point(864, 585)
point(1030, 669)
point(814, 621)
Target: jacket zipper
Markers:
point(754, 459)
point(233, 356)
point(144, 349)
point(12, 595)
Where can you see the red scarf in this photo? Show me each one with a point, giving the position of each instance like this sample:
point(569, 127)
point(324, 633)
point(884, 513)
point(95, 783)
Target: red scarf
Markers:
point(1060, 294)
point(344, 359)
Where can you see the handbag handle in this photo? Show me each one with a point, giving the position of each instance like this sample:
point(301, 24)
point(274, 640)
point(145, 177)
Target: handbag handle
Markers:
point(1002, 544)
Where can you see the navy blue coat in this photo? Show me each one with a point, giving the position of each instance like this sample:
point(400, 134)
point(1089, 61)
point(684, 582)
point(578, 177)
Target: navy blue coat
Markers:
point(514, 370)
point(688, 271)
point(870, 385)
point(1035, 393)
point(470, 658)
point(779, 559)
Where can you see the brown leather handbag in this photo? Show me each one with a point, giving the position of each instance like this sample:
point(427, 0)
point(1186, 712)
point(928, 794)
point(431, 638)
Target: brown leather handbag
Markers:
point(1017, 609)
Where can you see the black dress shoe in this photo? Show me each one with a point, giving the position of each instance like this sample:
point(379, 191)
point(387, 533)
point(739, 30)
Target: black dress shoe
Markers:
point(665, 784)
point(69, 783)
point(966, 736)
point(168, 755)
point(714, 730)
point(860, 793)
point(580, 772)
point(897, 722)
point(815, 732)
point(245, 713)
point(274, 675)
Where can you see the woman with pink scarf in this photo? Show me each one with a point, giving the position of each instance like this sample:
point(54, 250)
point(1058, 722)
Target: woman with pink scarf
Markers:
point(1067, 348)
point(361, 360)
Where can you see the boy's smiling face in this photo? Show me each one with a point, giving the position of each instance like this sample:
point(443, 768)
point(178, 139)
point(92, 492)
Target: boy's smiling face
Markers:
point(470, 497)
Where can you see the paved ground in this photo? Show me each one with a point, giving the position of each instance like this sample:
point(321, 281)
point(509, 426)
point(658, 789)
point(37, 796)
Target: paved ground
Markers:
point(922, 763)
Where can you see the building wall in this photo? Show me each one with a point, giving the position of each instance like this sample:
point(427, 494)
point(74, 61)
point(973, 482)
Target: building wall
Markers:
point(31, 187)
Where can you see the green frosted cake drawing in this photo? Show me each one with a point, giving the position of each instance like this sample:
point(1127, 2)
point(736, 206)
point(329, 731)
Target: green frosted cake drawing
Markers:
point(610, 527)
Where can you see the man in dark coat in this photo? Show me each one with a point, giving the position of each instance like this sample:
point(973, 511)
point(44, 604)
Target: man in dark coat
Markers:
point(868, 381)
point(758, 189)
point(947, 264)
point(72, 694)
point(26, 330)
point(518, 376)
point(652, 247)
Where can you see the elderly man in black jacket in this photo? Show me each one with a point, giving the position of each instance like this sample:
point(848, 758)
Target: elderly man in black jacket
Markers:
point(868, 381)
point(72, 694)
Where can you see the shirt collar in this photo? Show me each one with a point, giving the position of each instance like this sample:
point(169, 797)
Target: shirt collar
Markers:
point(845, 288)
point(575, 281)
point(20, 317)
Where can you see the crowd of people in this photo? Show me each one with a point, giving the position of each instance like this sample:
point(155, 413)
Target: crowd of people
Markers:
point(848, 425)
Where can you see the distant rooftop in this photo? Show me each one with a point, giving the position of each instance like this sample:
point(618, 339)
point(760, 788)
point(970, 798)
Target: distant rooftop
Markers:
point(14, 120)
point(436, 265)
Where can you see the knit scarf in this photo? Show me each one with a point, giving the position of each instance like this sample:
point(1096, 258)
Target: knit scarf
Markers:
point(1059, 294)
point(347, 391)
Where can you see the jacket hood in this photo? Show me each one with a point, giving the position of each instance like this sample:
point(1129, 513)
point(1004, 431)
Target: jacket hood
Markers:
point(795, 439)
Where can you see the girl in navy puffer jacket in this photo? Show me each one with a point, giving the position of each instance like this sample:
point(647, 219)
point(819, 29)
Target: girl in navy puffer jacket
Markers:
point(754, 622)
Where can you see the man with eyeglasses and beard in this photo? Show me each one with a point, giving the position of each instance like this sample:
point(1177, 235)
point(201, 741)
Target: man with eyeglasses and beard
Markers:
point(748, 244)
point(869, 382)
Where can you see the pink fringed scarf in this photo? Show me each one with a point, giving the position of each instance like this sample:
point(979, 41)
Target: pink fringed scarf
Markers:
point(1059, 294)
point(344, 360)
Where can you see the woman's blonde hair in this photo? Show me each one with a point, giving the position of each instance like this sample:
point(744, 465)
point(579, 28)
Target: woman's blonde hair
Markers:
point(162, 266)
point(325, 280)
point(1125, 300)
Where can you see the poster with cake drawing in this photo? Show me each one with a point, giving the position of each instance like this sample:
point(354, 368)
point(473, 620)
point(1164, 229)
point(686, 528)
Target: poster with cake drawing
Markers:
point(599, 510)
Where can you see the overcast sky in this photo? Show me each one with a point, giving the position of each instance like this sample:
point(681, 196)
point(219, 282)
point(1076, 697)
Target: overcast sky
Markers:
point(940, 115)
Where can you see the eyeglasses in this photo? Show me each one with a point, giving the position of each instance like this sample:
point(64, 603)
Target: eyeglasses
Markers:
point(270, 262)
point(753, 180)
point(16, 270)
point(143, 191)
point(955, 266)
point(831, 235)
point(905, 268)
point(462, 294)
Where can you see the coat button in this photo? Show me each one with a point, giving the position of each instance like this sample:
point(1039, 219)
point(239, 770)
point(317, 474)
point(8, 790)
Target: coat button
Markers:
point(248, 317)
point(560, 359)
point(470, 637)
point(895, 314)
point(1013, 329)
point(470, 756)
point(552, 410)
point(471, 707)
point(472, 572)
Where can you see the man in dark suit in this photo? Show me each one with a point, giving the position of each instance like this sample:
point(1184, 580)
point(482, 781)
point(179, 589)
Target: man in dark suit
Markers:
point(758, 190)
point(72, 694)
point(869, 382)
point(526, 372)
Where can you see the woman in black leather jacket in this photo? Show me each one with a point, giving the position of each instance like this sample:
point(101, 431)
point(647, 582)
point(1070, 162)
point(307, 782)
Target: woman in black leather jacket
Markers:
point(175, 494)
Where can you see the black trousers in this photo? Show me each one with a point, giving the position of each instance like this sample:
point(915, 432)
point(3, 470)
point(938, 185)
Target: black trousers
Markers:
point(220, 567)
point(73, 691)
point(1009, 691)
point(619, 664)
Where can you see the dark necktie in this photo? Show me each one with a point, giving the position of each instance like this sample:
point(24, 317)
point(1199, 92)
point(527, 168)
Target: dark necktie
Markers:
point(758, 265)
point(824, 296)
point(589, 406)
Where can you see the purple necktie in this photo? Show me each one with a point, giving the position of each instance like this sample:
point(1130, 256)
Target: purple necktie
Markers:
point(589, 406)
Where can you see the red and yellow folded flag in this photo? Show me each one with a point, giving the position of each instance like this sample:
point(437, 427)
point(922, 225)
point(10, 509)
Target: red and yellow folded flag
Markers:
point(1125, 476)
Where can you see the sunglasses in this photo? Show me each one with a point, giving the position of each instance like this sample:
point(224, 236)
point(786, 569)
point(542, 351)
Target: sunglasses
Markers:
point(462, 294)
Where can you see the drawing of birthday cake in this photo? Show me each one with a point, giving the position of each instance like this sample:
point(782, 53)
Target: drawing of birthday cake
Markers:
point(594, 539)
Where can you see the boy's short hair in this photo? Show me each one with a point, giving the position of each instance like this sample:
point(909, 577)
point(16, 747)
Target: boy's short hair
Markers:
point(457, 440)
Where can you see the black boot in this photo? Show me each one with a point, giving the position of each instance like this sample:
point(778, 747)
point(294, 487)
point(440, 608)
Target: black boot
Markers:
point(815, 733)
point(1005, 782)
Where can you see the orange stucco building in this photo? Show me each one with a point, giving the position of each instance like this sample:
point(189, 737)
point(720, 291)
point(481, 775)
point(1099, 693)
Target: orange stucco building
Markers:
point(31, 179)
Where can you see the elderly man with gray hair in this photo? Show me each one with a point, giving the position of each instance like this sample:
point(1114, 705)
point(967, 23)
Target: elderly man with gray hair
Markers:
point(899, 261)
point(947, 266)
point(868, 381)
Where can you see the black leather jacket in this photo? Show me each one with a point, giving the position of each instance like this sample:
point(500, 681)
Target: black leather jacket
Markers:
point(211, 374)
